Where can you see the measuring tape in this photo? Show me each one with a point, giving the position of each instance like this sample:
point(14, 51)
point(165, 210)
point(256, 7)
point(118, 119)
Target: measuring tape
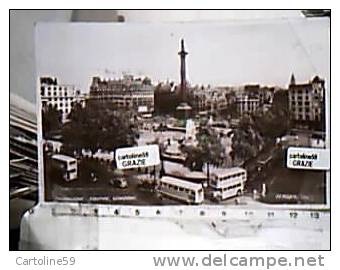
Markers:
point(308, 212)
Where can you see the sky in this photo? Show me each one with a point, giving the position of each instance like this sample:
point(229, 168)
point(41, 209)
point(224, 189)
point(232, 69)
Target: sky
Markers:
point(220, 53)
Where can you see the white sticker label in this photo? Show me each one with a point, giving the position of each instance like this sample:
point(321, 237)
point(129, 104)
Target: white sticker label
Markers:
point(137, 157)
point(308, 158)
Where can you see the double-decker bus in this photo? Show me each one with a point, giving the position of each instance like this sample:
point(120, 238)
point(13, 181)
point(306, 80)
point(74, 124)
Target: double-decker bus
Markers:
point(227, 183)
point(68, 165)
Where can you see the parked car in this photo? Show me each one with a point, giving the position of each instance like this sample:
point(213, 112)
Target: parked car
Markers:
point(118, 183)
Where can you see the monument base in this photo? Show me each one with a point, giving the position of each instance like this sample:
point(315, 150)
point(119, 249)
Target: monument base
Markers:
point(183, 111)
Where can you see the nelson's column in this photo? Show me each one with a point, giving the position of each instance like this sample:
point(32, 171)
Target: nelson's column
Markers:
point(183, 110)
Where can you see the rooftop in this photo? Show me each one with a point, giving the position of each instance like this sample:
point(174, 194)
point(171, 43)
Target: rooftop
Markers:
point(224, 171)
point(186, 184)
point(63, 158)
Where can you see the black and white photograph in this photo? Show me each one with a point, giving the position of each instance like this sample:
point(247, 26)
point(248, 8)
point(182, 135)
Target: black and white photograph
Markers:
point(220, 103)
point(181, 130)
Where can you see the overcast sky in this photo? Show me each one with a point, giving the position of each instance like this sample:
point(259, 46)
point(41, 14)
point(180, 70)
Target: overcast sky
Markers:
point(264, 52)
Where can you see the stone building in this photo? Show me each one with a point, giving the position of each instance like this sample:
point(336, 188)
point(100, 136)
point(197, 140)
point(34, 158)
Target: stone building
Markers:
point(126, 92)
point(61, 96)
point(306, 100)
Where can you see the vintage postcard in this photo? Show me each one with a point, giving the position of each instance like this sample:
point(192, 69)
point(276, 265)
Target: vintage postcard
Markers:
point(184, 113)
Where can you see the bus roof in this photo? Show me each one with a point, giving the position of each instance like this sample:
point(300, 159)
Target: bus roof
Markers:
point(63, 158)
point(179, 182)
point(226, 171)
point(196, 175)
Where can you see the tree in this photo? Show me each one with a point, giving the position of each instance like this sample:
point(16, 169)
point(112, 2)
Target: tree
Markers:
point(99, 126)
point(246, 141)
point(275, 122)
point(146, 81)
point(195, 157)
point(231, 110)
point(51, 121)
point(209, 150)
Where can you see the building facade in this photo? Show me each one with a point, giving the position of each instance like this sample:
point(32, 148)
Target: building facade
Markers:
point(60, 96)
point(210, 99)
point(127, 92)
point(247, 104)
point(306, 100)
